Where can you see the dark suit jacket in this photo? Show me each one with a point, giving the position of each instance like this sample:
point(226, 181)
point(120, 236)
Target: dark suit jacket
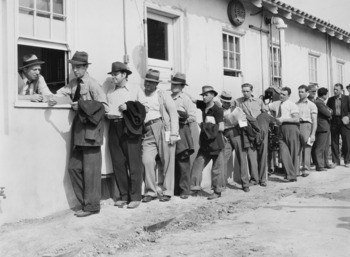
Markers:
point(345, 106)
point(323, 117)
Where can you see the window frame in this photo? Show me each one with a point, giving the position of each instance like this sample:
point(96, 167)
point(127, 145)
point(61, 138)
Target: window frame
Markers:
point(40, 43)
point(313, 60)
point(231, 71)
point(340, 71)
point(276, 65)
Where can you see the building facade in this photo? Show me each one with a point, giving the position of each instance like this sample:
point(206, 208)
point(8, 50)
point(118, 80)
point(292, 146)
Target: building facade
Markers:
point(222, 43)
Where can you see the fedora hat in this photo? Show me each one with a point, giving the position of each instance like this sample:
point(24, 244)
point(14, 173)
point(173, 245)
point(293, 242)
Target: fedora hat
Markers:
point(30, 60)
point(152, 75)
point(179, 79)
point(207, 88)
point(119, 66)
point(80, 58)
point(226, 96)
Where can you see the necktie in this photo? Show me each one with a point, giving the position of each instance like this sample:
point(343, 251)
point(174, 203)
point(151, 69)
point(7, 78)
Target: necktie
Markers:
point(279, 111)
point(28, 87)
point(77, 92)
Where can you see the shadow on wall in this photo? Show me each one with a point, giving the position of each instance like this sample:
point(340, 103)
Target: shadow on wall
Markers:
point(67, 137)
point(139, 59)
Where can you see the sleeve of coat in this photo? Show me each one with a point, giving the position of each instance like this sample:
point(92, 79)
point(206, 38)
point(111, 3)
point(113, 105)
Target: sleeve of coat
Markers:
point(322, 109)
point(172, 111)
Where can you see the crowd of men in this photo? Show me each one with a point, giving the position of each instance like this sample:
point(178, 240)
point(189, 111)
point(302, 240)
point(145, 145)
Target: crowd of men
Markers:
point(150, 137)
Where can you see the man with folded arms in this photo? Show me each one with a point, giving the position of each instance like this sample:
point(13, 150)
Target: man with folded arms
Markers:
point(161, 134)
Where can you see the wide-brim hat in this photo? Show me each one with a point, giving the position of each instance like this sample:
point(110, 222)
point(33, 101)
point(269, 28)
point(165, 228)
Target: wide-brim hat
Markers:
point(179, 79)
point(152, 75)
point(80, 58)
point(207, 88)
point(119, 66)
point(226, 97)
point(30, 60)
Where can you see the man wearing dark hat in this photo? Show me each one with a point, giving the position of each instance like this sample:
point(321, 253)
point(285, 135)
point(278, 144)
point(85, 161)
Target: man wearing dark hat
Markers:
point(184, 147)
point(124, 144)
point(348, 88)
point(86, 161)
point(211, 144)
point(161, 134)
point(232, 133)
point(31, 85)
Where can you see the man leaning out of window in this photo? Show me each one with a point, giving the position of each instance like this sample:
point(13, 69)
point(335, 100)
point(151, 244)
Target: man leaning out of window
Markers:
point(31, 85)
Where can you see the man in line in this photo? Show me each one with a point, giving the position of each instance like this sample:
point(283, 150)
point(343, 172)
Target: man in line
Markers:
point(211, 144)
point(86, 161)
point(161, 134)
point(251, 107)
point(124, 143)
point(287, 116)
point(321, 144)
point(340, 106)
point(31, 85)
point(184, 147)
point(312, 89)
point(308, 126)
point(232, 133)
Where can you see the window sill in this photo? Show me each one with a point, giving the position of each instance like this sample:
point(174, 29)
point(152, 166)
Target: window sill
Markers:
point(28, 104)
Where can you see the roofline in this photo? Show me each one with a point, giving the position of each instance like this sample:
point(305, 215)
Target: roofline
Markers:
point(291, 13)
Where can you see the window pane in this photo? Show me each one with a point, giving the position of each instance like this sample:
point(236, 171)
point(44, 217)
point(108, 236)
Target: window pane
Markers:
point(237, 46)
point(43, 5)
point(238, 61)
point(230, 38)
point(26, 3)
point(231, 61)
point(224, 42)
point(58, 6)
point(225, 59)
point(157, 39)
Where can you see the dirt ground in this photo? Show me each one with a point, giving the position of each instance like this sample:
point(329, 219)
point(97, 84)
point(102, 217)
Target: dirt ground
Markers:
point(308, 218)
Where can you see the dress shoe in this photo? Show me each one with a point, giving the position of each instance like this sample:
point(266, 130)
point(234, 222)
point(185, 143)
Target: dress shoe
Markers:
point(290, 180)
point(86, 213)
point(79, 211)
point(246, 189)
point(183, 196)
point(165, 198)
point(214, 196)
point(194, 193)
point(263, 184)
point(120, 203)
point(304, 175)
point(148, 198)
point(133, 204)
point(330, 166)
point(321, 169)
point(253, 183)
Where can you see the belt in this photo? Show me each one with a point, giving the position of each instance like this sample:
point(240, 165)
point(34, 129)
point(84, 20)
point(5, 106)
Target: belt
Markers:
point(116, 119)
point(150, 122)
point(304, 121)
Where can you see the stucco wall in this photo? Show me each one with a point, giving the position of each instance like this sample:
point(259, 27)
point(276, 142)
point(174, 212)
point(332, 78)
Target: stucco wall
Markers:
point(35, 142)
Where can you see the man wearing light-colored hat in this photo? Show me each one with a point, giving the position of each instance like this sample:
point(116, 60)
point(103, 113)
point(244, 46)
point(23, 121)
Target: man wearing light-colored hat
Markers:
point(185, 146)
point(161, 134)
point(31, 85)
point(211, 143)
point(85, 161)
point(232, 133)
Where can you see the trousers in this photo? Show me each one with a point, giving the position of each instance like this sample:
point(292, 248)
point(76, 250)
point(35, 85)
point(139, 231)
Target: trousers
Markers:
point(320, 150)
point(305, 150)
point(84, 169)
point(126, 156)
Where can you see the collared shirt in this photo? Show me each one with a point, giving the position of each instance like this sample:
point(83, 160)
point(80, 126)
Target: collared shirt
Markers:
point(214, 111)
point(90, 89)
point(34, 87)
point(306, 109)
point(287, 108)
point(227, 121)
point(151, 103)
point(251, 106)
point(117, 96)
point(338, 106)
point(183, 103)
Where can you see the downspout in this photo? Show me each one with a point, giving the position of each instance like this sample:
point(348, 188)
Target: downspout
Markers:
point(329, 61)
point(126, 56)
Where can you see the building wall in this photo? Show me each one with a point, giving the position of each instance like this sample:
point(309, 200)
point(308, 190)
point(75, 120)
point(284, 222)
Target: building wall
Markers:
point(35, 142)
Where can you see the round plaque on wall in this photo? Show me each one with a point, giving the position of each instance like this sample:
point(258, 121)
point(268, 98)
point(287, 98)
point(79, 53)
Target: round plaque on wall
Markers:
point(236, 12)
